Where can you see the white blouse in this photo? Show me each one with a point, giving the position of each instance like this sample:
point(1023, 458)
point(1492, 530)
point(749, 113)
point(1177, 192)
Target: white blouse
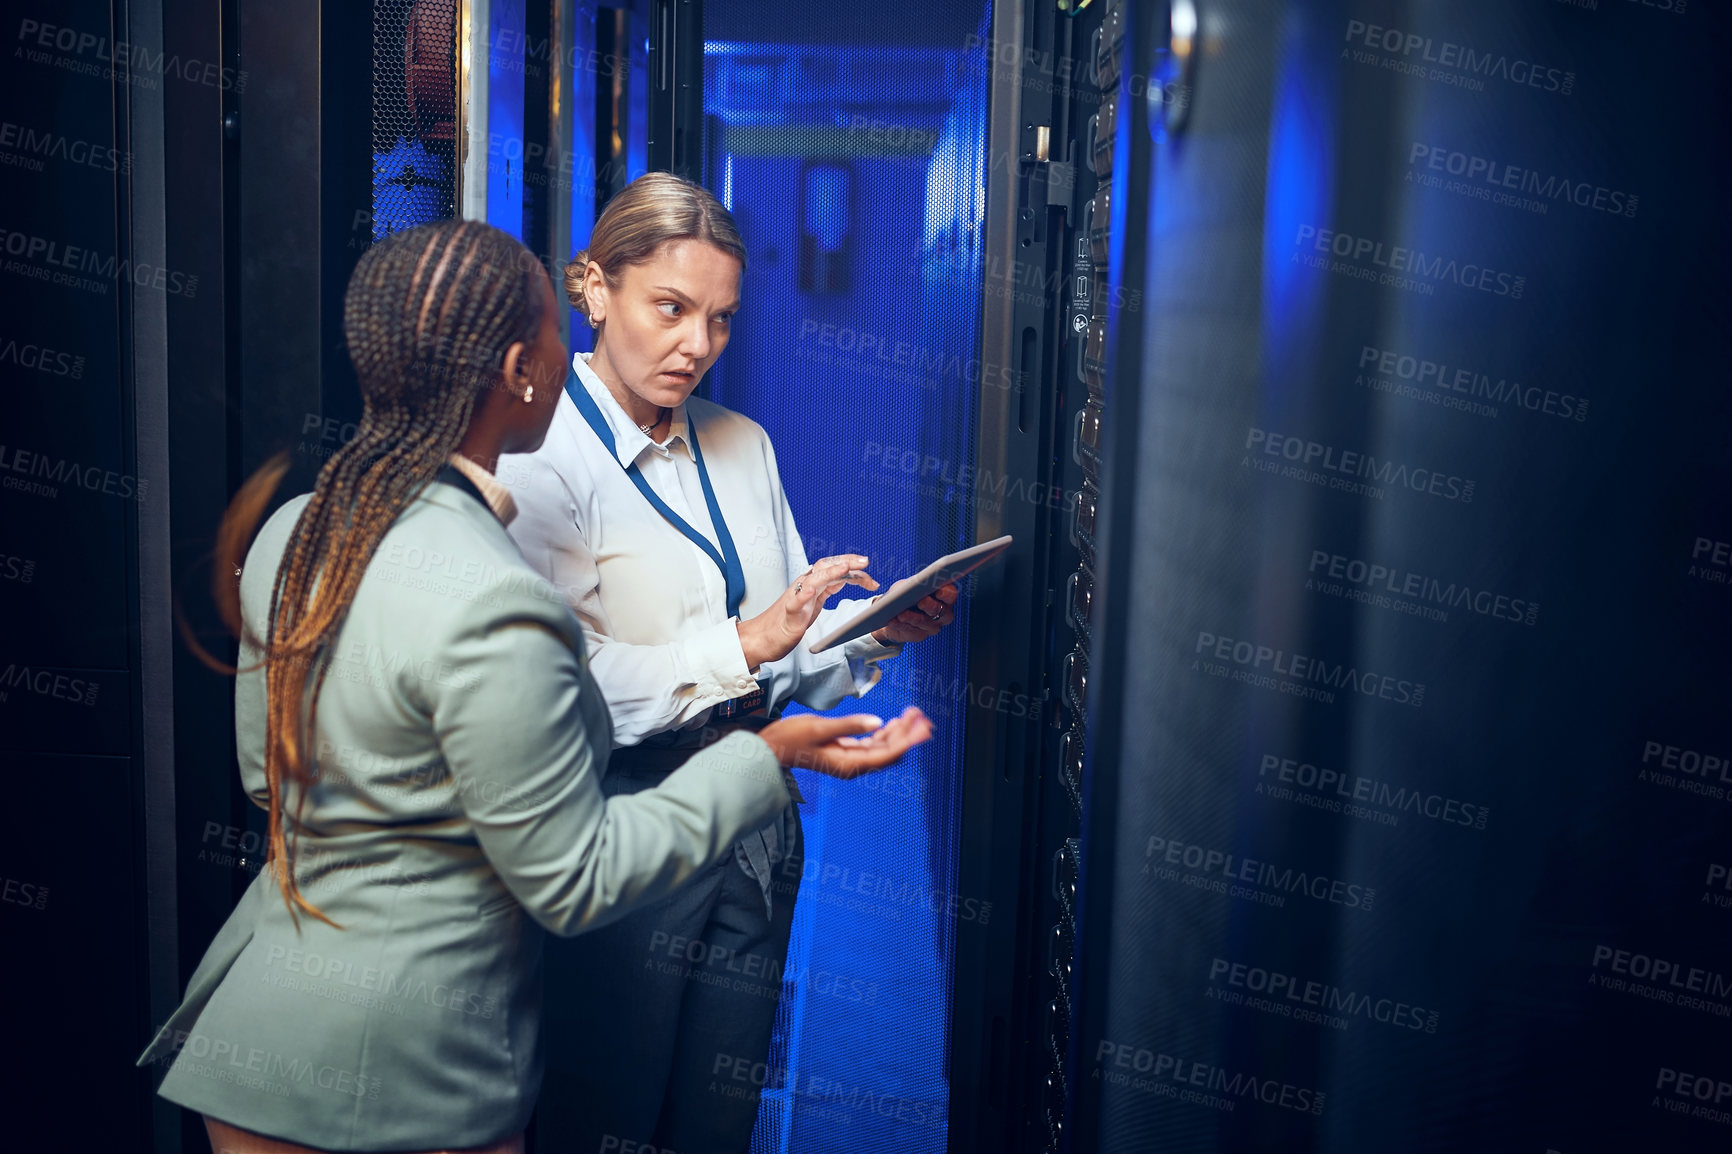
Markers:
point(662, 646)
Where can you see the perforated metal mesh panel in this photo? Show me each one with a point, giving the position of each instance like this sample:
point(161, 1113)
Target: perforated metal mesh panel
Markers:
point(414, 113)
point(858, 150)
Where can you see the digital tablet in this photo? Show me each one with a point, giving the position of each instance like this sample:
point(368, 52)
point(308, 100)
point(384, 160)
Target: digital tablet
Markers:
point(904, 594)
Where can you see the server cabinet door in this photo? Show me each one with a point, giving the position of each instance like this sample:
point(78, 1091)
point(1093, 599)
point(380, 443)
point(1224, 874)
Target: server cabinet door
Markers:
point(1411, 601)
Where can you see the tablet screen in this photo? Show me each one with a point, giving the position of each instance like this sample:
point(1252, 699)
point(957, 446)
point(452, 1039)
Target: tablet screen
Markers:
point(906, 593)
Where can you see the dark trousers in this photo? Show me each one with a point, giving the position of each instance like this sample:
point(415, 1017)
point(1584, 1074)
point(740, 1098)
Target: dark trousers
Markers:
point(657, 1027)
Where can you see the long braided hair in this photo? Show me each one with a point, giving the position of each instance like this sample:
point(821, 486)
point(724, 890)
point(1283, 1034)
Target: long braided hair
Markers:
point(428, 317)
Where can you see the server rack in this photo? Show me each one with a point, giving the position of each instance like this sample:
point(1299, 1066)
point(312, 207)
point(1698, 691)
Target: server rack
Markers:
point(1059, 122)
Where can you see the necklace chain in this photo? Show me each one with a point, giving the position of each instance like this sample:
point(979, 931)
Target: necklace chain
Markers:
point(647, 429)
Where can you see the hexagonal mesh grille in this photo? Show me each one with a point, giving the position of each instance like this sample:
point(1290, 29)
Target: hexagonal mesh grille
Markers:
point(414, 113)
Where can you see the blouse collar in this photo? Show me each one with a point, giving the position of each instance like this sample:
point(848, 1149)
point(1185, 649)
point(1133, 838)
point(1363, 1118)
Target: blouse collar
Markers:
point(628, 440)
point(497, 496)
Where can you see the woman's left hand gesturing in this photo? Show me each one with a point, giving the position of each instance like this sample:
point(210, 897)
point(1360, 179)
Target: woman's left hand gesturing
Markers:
point(932, 613)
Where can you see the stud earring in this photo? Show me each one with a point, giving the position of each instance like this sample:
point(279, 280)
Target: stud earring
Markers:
point(528, 394)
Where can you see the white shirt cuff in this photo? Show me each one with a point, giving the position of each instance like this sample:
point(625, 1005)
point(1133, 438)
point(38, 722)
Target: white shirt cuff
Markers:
point(862, 656)
point(718, 662)
point(867, 648)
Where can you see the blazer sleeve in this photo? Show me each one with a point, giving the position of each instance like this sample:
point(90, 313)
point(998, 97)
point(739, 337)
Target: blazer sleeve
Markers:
point(250, 723)
point(522, 727)
point(258, 577)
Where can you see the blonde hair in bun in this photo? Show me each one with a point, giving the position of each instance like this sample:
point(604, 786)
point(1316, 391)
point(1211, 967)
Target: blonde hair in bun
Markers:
point(652, 210)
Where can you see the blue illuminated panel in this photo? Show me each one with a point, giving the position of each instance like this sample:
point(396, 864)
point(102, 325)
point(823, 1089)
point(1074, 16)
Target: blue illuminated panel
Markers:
point(867, 387)
point(505, 150)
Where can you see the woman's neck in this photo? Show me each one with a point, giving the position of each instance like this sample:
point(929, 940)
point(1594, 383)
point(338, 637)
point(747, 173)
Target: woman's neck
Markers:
point(640, 411)
point(483, 441)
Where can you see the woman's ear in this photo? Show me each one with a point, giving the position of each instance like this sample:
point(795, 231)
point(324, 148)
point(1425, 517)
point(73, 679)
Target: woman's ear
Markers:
point(595, 292)
point(514, 372)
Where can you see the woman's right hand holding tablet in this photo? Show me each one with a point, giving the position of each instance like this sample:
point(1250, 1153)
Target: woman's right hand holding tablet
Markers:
point(845, 747)
point(772, 634)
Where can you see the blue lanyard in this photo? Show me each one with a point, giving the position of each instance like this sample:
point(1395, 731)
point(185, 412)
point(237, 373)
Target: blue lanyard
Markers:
point(728, 560)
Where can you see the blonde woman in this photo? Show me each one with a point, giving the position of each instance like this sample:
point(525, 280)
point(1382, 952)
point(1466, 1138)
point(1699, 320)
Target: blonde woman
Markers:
point(661, 517)
point(379, 985)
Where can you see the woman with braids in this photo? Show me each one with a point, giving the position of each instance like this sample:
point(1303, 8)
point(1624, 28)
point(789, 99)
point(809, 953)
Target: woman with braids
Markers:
point(662, 518)
point(415, 710)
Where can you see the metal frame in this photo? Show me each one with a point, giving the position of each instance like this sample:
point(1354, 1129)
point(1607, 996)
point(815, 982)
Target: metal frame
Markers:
point(144, 335)
point(980, 995)
point(559, 131)
point(471, 174)
point(1007, 629)
point(199, 203)
point(676, 88)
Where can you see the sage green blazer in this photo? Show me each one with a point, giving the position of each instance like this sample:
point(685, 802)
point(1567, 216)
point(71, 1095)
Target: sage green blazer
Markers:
point(457, 818)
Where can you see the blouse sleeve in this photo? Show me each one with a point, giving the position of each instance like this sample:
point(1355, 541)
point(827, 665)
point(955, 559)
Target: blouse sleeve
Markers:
point(649, 688)
point(817, 680)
